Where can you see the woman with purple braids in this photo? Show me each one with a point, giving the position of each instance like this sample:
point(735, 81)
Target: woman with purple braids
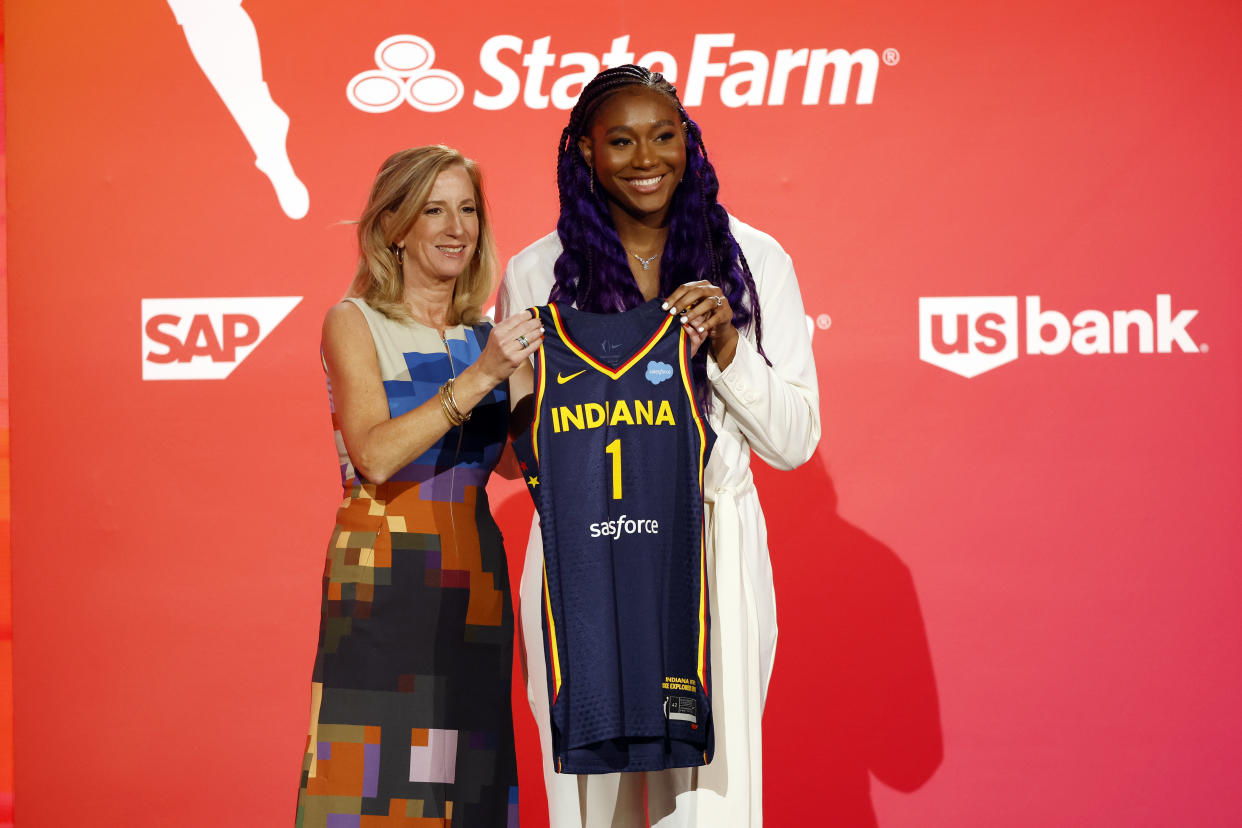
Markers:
point(639, 219)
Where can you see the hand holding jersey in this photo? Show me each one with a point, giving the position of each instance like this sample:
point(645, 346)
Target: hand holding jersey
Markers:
point(706, 314)
point(512, 341)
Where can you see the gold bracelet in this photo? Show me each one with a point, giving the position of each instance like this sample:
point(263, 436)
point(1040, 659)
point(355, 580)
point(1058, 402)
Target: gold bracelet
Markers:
point(449, 414)
point(449, 403)
point(453, 402)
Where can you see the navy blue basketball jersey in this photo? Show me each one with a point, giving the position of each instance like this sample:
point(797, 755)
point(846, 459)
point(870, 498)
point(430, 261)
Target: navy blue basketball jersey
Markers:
point(614, 460)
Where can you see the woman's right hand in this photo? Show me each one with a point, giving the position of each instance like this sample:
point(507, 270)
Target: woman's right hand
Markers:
point(504, 352)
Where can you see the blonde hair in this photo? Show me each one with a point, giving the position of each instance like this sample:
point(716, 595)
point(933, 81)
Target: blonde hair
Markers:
point(397, 198)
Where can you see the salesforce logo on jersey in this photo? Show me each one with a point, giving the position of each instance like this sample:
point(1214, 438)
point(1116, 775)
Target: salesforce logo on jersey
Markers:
point(538, 77)
point(658, 372)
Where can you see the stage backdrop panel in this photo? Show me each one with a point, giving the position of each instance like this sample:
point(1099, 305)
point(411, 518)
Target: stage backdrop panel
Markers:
point(1007, 581)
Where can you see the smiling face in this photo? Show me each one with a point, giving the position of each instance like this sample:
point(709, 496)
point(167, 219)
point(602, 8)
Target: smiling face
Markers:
point(637, 147)
point(442, 239)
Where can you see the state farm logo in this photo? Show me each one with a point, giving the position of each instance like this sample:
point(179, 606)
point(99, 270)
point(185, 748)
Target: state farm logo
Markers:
point(204, 339)
point(968, 335)
point(539, 77)
point(403, 73)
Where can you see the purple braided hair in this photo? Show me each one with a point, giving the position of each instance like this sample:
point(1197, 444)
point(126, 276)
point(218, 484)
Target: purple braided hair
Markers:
point(593, 271)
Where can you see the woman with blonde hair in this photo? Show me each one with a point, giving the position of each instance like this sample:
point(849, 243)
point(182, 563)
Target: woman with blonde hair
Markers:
point(410, 701)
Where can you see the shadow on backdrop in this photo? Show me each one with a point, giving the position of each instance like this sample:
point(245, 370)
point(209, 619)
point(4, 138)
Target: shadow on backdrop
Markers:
point(853, 694)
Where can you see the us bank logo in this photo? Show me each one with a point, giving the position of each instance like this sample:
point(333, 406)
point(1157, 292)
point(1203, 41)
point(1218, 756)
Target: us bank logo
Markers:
point(206, 339)
point(968, 335)
point(535, 76)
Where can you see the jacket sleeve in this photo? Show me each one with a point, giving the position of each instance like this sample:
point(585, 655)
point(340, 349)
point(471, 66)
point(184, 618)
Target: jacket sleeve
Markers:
point(509, 298)
point(528, 277)
point(776, 406)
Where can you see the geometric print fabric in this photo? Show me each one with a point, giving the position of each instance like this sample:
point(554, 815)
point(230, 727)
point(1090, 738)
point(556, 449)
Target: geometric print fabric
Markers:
point(411, 721)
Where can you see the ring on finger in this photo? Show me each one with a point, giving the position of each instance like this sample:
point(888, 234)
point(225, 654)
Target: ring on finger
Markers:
point(523, 341)
point(719, 301)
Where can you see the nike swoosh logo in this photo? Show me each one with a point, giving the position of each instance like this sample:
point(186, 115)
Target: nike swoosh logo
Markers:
point(562, 379)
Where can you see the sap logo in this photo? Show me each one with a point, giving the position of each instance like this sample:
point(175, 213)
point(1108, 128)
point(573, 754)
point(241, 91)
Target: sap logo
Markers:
point(968, 335)
point(203, 339)
point(536, 77)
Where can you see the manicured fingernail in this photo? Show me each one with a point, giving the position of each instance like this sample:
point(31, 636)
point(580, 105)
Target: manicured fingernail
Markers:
point(672, 311)
point(683, 320)
point(700, 329)
point(664, 306)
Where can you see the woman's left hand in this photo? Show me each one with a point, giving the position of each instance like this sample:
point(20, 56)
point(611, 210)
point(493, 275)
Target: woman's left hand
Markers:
point(706, 314)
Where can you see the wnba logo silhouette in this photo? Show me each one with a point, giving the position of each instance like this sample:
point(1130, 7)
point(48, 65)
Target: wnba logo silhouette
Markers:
point(223, 40)
point(968, 334)
point(404, 74)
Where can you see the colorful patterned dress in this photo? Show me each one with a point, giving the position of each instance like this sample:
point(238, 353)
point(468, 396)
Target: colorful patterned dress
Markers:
point(410, 712)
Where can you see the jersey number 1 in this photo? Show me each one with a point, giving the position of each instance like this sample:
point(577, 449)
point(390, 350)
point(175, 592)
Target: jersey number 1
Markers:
point(614, 448)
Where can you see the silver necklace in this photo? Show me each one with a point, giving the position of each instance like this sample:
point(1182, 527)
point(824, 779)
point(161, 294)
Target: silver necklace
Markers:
point(646, 263)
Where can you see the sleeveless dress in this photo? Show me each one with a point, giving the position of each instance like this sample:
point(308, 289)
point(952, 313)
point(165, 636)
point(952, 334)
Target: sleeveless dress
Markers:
point(411, 722)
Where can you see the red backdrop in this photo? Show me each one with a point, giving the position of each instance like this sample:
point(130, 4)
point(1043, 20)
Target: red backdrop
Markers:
point(1034, 567)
